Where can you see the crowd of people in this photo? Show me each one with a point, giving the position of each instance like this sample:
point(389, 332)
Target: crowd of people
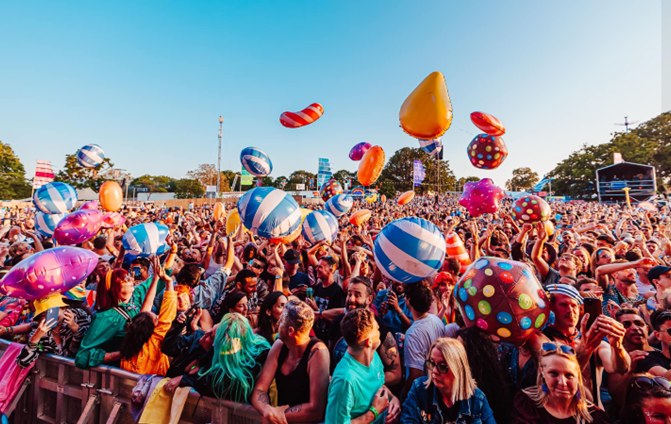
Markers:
point(316, 333)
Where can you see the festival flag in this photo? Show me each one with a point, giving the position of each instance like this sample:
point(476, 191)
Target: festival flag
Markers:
point(324, 172)
point(43, 173)
point(418, 173)
point(246, 178)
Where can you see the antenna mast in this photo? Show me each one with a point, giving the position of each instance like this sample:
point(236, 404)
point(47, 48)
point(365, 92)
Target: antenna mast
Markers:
point(221, 128)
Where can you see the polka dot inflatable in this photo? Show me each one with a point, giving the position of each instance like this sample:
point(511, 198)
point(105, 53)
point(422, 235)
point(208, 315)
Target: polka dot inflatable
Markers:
point(504, 298)
point(55, 198)
point(487, 151)
point(90, 156)
point(329, 189)
point(531, 210)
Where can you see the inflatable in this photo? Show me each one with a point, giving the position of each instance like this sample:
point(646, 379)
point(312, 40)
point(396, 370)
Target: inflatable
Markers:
point(269, 212)
point(531, 210)
point(371, 166)
point(383, 199)
point(456, 250)
point(359, 150)
point(145, 240)
point(320, 225)
point(427, 112)
point(110, 196)
point(91, 156)
point(481, 197)
point(288, 238)
point(409, 250)
point(48, 272)
point(55, 198)
point(256, 162)
point(503, 298)
point(431, 147)
point(406, 198)
point(371, 199)
point(487, 151)
point(78, 227)
point(218, 211)
point(305, 117)
point(339, 204)
point(329, 189)
point(113, 219)
point(93, 204)
point(488, 123)
point(45, 223)
point(359, 217)
point(232, 222)
point(647, 206)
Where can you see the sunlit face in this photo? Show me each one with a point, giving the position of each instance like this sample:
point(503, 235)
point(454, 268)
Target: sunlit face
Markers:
point(442, 381)
point(567, 263)
point(591, 287)
point(664, 280)
point(102, 268)
point(561, 377)
point(277, 308)
point(375, 335)
point(657, 410)
point(636, 332)
point(567, 311)
point(626, 276)
point(249, 285)
point(357, 297)
point(604, 257)
point(127, 288)
point(241, 307)
point(663, 333)
point(324, 270)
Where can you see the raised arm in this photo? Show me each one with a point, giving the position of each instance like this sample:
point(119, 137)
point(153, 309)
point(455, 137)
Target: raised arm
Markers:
point(536, 254)
point(151, 292)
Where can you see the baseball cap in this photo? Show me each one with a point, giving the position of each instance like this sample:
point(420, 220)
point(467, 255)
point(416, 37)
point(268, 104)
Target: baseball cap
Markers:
point(657, 271)
point(292, 256)
point(566, 290)
point(44, 304)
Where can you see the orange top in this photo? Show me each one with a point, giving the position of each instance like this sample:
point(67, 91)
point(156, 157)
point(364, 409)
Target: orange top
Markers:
point(150, 360)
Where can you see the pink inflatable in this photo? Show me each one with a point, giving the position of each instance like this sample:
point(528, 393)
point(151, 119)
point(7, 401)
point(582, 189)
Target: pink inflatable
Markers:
point(78, 227)
point(481, 197)
point(113, 219)
point(93, 204)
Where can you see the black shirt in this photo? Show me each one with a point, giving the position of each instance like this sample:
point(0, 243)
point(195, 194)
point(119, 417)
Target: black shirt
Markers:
point(327, 298)
point(655, 358)
point(299, 279)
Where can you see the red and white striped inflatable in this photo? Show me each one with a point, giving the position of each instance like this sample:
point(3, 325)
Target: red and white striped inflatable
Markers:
point(302, 118)
point(456, 250)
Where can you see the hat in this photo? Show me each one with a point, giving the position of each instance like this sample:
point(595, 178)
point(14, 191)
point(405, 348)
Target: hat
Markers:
point(566, 290)
point(552, 251)
point(54, 301)
point(292, 257)
point(657, 271)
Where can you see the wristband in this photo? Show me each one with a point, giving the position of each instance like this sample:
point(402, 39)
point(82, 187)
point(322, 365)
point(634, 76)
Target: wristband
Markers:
point(374, 411)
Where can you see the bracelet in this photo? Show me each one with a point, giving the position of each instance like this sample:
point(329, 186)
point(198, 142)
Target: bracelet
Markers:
point(10, 330)
point(374, 411)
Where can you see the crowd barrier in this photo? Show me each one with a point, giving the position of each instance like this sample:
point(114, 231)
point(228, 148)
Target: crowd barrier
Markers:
point(57, 392)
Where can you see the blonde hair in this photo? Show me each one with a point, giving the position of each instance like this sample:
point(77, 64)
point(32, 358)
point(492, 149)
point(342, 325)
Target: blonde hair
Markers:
point(595, 257)
point(454, 354)
point(579, 406)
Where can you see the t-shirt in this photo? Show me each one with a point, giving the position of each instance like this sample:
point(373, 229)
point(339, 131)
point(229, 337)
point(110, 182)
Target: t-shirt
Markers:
point(552, 277)
point(616, 296)
point(352, 389)
point(525, 411)
point(340, 345)
point(419, 338)
point(643, 288)
point(327, 298)
point(655, 358)
point(299, 279)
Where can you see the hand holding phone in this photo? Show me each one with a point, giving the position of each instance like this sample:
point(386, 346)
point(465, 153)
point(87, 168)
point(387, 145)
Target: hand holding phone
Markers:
point(593, 308)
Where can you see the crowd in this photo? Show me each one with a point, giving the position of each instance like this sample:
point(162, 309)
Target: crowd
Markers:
point(316, 333)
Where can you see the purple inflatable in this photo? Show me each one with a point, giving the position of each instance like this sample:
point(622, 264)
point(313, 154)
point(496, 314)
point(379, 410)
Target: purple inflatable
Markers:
point(358, 151)
point(78, 227)
point(93, 204)
point(113, 219)
point(47, 272)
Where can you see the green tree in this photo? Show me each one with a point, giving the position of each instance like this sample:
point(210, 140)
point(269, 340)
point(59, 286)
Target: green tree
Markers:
point(154, 183)
point(387, 188)
point(523, 179)
point(300, 177)
point(398, 171)
point(462, 181)
point(206, 174)
point(267, 182)
point(79, 177)
point(13, 184)
point(188, 188)
point(657, 131)
point(342, 176)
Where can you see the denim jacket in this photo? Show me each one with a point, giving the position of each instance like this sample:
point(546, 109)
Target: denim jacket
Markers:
point(421, 407)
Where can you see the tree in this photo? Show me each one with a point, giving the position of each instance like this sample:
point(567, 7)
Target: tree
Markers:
point(343, 175)
point(387, 188)
point(206, 174)
point(523, 179)
point(188, 188)
point(267, 182)
point(13, 184)
point(79, 177)
point(461, 182)
point(155, 183)
point(398, 171)
point(300, 177)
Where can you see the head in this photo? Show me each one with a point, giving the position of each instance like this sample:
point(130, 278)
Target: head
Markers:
point(139, 269)
point(452, 266)
point(636, 335)
point(660, 277)
point(449, 370)
point(192, 255)
point(569, 264)
point(118, 286)
point(648, 400)
point(19, 248)
point(296, 321)
point(326, 268)
point(102, 268)
point(419, 297)
point(661, 324)
point(566, 309)
point(602, 256)
point(138, 332)
point(99, 242)
point(359, 294)
point(360, 330)
point(292, 261)
point(190, 275)
point(589, 285)
point(583, 255)
point(627, 276)
point(246, 281)
point(235, 302)
point(605, 241)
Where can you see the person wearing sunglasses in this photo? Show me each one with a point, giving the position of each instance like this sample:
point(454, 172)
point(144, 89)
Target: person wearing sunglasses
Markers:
point(648, 400)
point(558, 396)
point(449, 394)
point(623, 287)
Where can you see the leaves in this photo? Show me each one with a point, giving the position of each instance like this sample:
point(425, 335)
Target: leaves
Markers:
point(13, 184)
point(206, 174)
point(188, 188)
point(523, 179)
point(79, 177)
point(398, 171)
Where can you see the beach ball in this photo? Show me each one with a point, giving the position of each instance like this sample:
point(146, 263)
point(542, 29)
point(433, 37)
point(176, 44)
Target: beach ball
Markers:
point(90, 156)
point(113, 219)
point(339, 204)
point(55, 198)
point(487, 151)
point(406, 198)
point(45, 223)
point(431, 147)
point(409, 250)
point(269, 212)
point(488, 123)
point(145, 240)
point(358, 151)
point(320, 225)
point(503, 298)
point(78, 227)
point(359, 217)
point(330, 189)
point(531, 210)
point(256, 162)
point(110, 196)
point(457, 250)
point(50, 271)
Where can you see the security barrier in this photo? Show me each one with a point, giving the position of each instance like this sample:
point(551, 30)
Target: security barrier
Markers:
point(57, 392)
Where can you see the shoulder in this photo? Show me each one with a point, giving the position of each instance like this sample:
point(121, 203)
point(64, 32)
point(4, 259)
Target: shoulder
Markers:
point(420, 384)
point(522, 402)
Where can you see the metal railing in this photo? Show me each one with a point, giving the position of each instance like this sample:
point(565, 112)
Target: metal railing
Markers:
point(57, 392)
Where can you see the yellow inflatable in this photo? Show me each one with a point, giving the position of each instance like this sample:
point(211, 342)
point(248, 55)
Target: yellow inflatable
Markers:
point(218, 212)
point(233, 220)
point(372, 198)
point(427, 112)
point(304, 213)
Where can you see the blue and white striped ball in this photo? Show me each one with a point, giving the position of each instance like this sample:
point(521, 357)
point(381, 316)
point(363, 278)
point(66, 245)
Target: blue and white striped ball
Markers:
point(55, 198)
point(320, 225)
point(256, 162)
point(409, 249)
point(431, 147)
point(145, 240)
point(339, 204)
point(269, 212)
point(46, 223)
point(90, 156)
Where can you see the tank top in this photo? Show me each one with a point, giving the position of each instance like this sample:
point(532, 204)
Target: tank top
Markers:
point(291, 389)
point(212, 267)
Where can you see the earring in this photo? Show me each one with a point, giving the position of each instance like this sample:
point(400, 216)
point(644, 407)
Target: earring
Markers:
point(577, 395)
point(545, 388)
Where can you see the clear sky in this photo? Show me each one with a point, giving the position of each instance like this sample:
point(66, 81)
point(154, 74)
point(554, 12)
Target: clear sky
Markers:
point(148, 80)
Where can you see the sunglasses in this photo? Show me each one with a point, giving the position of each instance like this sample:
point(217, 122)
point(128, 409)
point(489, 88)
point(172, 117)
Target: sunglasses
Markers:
point(442, 368)
point(639, 323)
point(551, 347)
point(646, 383)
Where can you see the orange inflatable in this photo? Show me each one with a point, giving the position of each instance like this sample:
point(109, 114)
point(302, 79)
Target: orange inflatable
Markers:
point(359, 217)
point(110, 196)
point(406, 198)
point(456, 250)
point(488, 123)
point(371, 165)
point(218, 211)
point(289, 238)
point(427, 112)
point(383, 199)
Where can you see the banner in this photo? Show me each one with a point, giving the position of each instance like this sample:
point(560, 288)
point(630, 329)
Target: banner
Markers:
point(324, 172)
point(418, 173)
point(43, 173)
point(246, 178)
point(300, 186)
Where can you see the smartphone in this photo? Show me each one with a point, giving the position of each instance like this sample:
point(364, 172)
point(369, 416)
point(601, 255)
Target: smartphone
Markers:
point(593, 308)
point(52, 315)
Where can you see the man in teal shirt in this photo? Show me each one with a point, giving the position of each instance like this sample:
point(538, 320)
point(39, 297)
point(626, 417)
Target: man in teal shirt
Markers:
point(357, 393)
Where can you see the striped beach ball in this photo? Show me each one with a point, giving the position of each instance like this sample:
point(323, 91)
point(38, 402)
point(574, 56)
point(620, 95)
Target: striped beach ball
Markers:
point(431, 147)
point(55, 198)
point(320, 225)
point(269, 212)
point(256, 161)
point(339, 204)
point(409, 249)
point(90, 156)
point(145, 240)
point(45, 223)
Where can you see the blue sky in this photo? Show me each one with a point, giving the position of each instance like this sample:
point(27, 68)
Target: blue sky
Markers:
point(148, 80)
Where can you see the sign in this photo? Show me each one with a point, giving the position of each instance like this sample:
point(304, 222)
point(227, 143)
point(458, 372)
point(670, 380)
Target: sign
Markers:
point(211, 189)
point(324, 172)
point(418, 173)
point(300, 186)
point(246, 178)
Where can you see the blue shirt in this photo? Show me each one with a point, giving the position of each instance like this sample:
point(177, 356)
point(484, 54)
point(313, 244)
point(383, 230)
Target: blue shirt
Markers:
point(392, 318)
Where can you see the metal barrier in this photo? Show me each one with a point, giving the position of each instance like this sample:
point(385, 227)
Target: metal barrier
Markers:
point(57, 392)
